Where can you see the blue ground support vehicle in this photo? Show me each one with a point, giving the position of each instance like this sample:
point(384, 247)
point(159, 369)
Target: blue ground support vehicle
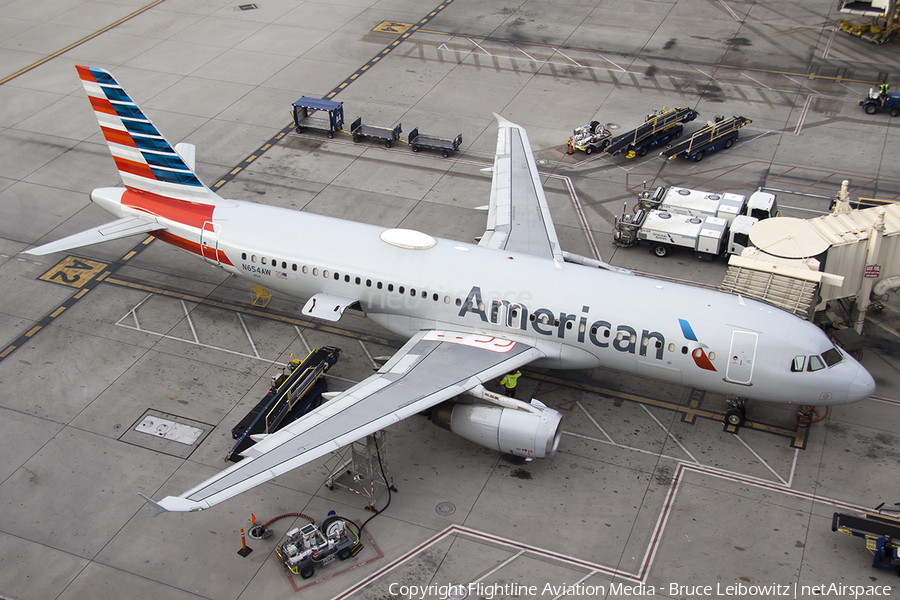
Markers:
point(722, 133)
point(660, 127)
point(875, 102)
point(305, 107)
point(293, 394)
point(880, 530)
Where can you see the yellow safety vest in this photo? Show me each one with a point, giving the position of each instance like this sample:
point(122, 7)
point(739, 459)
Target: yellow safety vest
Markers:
point(510, 379)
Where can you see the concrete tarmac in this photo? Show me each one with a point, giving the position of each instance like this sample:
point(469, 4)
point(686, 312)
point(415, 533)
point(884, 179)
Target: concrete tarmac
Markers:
point(647, 496)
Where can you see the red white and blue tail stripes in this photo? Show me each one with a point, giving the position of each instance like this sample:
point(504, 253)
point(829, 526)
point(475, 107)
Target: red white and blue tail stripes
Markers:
point(145, 159)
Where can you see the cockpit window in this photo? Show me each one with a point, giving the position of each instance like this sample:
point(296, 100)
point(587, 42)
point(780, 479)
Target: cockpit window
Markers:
point(815, 363)
point(832, 356)
point(797, 364)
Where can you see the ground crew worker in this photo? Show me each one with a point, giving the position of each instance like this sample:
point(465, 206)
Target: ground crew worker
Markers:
point(883, 89)
point(571, 150)
point(509, 382)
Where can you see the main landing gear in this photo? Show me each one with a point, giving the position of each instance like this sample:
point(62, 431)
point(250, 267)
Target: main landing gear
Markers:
point(736, 414)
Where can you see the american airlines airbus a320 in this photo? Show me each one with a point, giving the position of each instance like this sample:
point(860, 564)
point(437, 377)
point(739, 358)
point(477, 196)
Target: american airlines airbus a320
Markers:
point(471, 312)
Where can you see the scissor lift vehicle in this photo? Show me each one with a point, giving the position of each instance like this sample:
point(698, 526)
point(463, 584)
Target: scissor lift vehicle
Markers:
point(306, 107)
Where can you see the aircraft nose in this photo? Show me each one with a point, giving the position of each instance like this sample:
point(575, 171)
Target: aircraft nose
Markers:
point(862, 386)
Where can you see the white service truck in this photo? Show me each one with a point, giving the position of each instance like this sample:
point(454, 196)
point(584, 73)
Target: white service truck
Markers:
point(708, 236)
point(726, 205)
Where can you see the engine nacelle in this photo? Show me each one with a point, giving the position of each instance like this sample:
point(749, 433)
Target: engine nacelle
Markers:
point(503, 429)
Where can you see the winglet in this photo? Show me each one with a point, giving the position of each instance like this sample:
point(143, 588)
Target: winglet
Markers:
point(155, 508)
point(503, 122)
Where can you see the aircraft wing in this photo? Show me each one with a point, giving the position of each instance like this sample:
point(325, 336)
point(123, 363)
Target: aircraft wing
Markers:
point(518, 216)
point(109, 231)
point(432, 367)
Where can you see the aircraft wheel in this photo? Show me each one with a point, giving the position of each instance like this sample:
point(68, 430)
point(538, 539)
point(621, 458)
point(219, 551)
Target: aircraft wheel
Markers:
point(661, 250)
point(870, 109)
point(699, 156)
point(307, 571)
point(588, 150)
point(735, 417)
point(895, 111)
point(729, 143)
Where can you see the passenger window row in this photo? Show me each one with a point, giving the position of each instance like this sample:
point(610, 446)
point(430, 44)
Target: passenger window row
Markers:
point(273, 262)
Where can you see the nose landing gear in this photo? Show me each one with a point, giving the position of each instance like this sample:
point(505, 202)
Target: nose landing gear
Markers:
point(736, 414)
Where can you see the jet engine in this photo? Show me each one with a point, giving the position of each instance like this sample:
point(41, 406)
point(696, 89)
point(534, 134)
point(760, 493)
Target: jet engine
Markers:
point(521, 433)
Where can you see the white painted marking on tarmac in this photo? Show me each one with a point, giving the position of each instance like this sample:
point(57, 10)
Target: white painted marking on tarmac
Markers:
point(674, 459)
point(581, 215)
point(790, 482)
point(302, 339)
point(596, 424)
point(247, 333)
point(368, 354)
point(760, 459)
point(828, 45)
point(133, 313)
point(612, 63)
point(575, 62)
point(530, 57)
point(479, 46)
point(187, 317)
point(757, 82)
point(500, 566)
point(803, 114)
point(669, 433)
point(731, 12)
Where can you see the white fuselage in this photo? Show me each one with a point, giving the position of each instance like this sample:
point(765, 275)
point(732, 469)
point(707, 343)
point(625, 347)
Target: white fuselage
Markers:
point(580, 317)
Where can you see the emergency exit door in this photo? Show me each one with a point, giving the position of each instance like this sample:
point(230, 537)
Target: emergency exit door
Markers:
point(741, 357)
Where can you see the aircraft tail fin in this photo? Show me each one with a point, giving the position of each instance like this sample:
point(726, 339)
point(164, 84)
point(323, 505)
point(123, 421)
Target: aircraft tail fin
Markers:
point(146, 161)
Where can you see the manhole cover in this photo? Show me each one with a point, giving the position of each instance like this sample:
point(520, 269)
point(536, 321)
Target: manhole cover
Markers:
point(457, 591)
point(445, 509)
point(542, 161)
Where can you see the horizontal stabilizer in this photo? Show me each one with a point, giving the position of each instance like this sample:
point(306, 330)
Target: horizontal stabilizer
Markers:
point(110, 231)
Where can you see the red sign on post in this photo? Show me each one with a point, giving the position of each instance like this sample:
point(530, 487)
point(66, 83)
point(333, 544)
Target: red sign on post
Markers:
point(873, 271)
